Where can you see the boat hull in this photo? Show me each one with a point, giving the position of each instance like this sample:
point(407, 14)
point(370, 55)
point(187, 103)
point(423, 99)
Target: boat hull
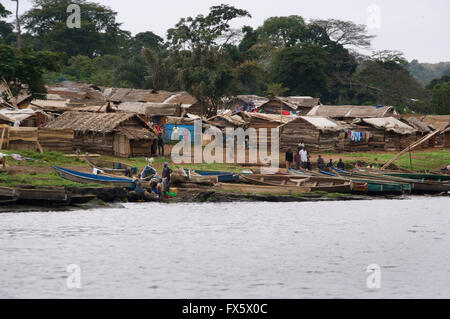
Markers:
point(85, 178)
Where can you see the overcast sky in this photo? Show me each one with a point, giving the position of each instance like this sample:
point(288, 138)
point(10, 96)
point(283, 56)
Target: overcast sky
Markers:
point(420, 29)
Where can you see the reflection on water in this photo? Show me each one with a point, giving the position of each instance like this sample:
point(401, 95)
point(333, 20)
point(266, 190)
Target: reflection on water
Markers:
point(232, 250)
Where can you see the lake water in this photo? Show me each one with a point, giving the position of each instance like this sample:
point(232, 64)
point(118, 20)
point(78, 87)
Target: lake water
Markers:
point(230, 250)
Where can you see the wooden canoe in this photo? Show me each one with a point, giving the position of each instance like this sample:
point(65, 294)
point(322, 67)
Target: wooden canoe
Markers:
point(85, 178)
point(8, 195)
point(417, 186)
point(314, 183)
point(108, 166)
point(43, 196)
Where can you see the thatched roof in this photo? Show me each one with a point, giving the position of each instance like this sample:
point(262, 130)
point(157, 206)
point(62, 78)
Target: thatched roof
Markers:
point(416, 123)
point(295, 102)
point(390, 124)
point(148, 109)
point(233, 119)
point(437, 122)
point(99, 123)
point(282, 119)
point(120, 95)
point(74, 91)
point(323, 124)
point(352, 111)
point(254, 101)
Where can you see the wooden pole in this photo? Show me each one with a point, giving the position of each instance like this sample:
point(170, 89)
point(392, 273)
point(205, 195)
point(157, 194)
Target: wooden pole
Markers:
point(410, 160)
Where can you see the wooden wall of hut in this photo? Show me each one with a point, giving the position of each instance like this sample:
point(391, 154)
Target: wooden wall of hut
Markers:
point(447, 139)
point(141, 148)
point(315, 140)
point(95, 142)
point(23, 138)
point(59, 140)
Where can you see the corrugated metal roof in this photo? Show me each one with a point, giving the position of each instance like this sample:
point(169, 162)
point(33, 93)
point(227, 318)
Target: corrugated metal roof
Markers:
point(351, 111)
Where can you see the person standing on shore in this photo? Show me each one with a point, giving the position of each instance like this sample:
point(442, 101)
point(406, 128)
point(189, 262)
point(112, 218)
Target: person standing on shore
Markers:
point(303, 157)
point(166, 176)
point(289, 159)
point(160, 145)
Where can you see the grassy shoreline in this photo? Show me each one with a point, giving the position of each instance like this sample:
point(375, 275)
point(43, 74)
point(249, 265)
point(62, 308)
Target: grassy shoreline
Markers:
point(39, 171)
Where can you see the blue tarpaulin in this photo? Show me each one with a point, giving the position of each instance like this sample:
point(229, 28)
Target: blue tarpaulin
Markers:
point(181, 129)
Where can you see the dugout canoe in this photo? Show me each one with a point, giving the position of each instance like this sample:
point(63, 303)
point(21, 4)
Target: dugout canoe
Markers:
point(86, 178)
point(417, 186)
point(376, 185)
point(313, 183)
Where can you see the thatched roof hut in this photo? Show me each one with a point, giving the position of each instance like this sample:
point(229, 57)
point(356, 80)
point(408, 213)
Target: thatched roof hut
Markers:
point(344, 112)
point(318, 133)
point(118, 134)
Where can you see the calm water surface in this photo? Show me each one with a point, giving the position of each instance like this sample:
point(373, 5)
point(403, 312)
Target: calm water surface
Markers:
point(232, 250)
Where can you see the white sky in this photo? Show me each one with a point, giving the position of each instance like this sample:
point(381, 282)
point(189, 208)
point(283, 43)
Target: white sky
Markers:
point(420, 29)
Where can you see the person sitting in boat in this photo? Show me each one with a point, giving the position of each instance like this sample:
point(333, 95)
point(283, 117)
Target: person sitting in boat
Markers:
point(320, 162)
point(330, 164)
point(148, 172)
point(341, 164)
point(139, 189)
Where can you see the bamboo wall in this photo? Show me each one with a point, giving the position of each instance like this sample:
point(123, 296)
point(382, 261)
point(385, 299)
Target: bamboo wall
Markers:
point(296, 131)
point(60, 140)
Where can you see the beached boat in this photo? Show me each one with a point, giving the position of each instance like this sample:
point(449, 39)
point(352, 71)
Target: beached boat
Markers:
point(43, 196)
point(417, 186)
point(376, 185)
point(222, 177)
point(421, 176)
point(86, 178)
point(109, 167)
point(8, 195)
point(314, 183)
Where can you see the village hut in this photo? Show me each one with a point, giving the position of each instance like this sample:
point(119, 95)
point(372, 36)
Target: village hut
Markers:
point(153, 103)
point(441, 123)
point(245, 102)
point(24, 117)
point(351, 112)
point(116, 134)
point(421, 128)
point(299, 105)
point(378, 134)
point(260, 123)
point(319, 134)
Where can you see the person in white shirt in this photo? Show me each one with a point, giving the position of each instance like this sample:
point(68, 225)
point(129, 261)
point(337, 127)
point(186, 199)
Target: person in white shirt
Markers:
point(303, 157)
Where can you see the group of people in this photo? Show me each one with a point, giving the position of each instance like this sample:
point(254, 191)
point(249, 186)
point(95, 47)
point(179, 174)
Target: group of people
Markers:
point(301, 159)
point(159, 186)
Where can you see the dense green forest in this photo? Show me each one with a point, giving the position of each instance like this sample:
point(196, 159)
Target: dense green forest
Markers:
point(206, 57)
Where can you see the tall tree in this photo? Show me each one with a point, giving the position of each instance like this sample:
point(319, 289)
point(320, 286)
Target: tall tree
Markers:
point(346, 33)
point(6, 29)
point(23, 69)
point(199, 48)
point(99, 33)
point(301, 68)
